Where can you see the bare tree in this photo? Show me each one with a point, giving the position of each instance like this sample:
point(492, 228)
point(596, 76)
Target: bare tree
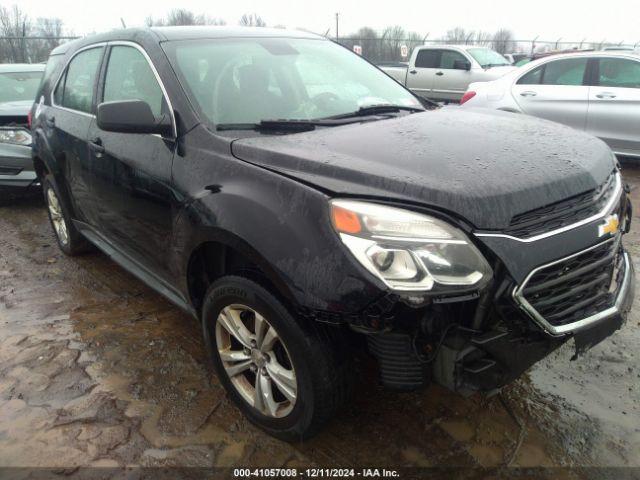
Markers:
point(182, 17)
point(50, 30)
point(503, 41)
point(15, 24)
point(457, 35)
point(252, 20)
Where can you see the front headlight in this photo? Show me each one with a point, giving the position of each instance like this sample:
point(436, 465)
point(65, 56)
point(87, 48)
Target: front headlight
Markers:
point(409, 251)
point(15, 136)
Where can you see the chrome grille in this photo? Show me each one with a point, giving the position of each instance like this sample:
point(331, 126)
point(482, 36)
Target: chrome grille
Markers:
point(563, 213)
point(577, 287)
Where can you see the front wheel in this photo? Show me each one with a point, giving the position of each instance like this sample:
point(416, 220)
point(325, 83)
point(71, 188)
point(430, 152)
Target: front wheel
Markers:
point(286, 377)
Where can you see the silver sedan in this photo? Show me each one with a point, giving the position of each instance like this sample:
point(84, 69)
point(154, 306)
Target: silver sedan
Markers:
point(598, 92)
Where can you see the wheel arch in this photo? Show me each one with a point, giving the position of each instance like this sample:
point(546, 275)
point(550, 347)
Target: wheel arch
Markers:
point(220, 253)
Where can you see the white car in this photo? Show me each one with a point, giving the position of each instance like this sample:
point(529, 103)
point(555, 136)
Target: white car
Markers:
point(598, 92)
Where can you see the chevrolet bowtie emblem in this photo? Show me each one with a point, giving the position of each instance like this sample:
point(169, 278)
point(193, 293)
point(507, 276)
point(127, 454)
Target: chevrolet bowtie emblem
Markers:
point(610, 225)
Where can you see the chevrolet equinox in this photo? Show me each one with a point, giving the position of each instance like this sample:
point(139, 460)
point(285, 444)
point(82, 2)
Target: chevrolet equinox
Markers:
point(301, 203)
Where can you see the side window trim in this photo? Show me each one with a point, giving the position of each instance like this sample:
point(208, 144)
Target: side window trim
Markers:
point(103, 76)
point(63, 74)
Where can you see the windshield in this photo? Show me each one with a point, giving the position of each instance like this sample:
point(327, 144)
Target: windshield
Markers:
point(487, 57)
point(18, 86)
point(247, 80)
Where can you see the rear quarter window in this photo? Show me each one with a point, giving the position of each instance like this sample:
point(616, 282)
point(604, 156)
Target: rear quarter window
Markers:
point(534, 77)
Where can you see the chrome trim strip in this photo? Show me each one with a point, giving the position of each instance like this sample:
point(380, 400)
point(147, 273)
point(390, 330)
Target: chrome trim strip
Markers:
point(585, 322)
point(615, 197)
point(126, 43)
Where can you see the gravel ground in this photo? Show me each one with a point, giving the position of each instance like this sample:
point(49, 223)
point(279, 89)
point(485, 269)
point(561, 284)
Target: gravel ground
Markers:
point(98, 370)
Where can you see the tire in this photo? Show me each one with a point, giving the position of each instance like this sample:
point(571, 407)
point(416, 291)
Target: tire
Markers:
point(69, 239)
point(317, 355)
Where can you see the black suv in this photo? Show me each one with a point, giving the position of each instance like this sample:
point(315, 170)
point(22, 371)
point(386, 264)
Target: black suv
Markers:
point(297, 200)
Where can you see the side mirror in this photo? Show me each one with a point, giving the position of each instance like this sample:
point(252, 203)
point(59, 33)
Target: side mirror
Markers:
point(461, 65)
point(131, 116)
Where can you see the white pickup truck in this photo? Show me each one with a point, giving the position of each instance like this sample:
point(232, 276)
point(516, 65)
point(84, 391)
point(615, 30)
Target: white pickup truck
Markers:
point(444, 72)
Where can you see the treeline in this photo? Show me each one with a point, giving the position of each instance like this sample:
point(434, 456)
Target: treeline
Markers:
point(385, 45)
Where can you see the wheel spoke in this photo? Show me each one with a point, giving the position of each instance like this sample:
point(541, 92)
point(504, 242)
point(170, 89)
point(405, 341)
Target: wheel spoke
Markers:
point(284, 379)
point(261, 327)
point(269, 340)
point(264, 400)
point(233, 355)
point(230, 319)
point(238, 368)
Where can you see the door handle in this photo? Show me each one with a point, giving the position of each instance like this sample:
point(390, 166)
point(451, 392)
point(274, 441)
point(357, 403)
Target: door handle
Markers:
point(439, 74)
point(413, 72)
point(50, 121)
point(528, 94)
point(96, 146)
point(605, 95)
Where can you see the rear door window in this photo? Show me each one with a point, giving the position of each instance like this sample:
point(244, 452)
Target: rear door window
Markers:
point(619, 73)
point(565, 72)
point(560, 72)
point(76, 87)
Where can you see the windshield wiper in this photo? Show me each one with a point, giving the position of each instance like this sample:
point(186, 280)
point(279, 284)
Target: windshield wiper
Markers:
point(291, 125)
point(378, 110)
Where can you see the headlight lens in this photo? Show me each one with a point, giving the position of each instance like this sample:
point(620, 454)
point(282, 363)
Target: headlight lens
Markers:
point(407, 250)
point(15, 136)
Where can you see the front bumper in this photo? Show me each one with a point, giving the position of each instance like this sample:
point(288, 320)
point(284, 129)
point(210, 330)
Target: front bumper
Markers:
point(16, 168)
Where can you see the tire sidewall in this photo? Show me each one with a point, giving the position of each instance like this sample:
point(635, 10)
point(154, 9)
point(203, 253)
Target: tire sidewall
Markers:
point(238, 290)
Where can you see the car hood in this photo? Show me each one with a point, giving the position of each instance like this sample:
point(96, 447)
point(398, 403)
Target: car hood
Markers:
point(483, 165)
point(15, 109)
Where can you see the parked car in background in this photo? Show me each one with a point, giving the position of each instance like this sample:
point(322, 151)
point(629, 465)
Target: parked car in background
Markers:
point(18, 86)
point(597, 92)
point(515, 57)
point(300, 203)
point(525, 59)
point(620, 49)
point(444, 72)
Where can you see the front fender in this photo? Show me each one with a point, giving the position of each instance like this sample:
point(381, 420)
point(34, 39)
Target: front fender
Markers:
point(278, 223)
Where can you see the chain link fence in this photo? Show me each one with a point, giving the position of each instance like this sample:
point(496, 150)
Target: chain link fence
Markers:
point(394, 50)
point(28, 49)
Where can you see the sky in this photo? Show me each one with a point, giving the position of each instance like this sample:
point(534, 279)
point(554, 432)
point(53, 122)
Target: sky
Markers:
point(573, 20)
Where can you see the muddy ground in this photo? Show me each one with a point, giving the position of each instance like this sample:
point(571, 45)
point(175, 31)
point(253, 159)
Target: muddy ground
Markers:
point(98, 370)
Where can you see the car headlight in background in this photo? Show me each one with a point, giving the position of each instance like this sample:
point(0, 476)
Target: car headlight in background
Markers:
point(15, 136)
point(409, 251)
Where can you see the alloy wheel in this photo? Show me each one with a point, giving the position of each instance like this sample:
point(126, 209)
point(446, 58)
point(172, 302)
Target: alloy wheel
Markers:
point(57, 218)
point(256, 360)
